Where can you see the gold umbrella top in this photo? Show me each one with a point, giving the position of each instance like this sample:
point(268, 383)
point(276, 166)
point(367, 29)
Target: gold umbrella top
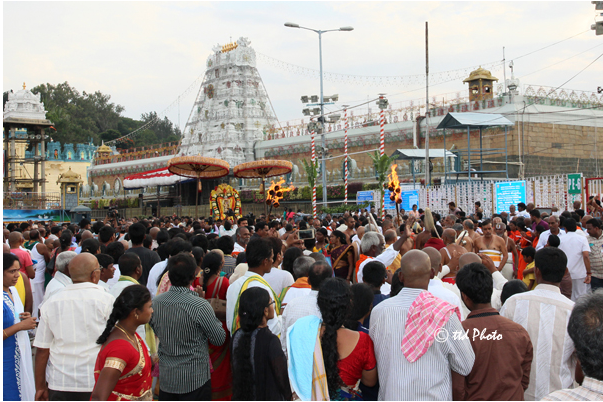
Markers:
point(262, 169)
point(198, 167)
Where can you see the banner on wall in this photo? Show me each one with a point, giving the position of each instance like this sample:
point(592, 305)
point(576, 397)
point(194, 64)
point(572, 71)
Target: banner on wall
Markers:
point(509, 193)
point(409, 198)
point(21, 215)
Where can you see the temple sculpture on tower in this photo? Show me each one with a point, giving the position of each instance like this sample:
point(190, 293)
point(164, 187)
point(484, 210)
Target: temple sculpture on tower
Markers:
point(232, 110)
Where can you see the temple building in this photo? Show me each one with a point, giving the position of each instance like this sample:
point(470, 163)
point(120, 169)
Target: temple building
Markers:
point(232, 110)
point(553, 131)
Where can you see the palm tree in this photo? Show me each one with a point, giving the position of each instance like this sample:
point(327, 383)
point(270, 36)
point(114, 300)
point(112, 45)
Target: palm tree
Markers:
point(382, 164)
point(311, 171)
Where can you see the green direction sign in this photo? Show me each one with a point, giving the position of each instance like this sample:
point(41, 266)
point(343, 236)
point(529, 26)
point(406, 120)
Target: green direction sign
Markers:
point(574, 183)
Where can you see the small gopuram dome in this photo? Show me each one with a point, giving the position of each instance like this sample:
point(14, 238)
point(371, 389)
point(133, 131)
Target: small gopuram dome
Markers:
point(104, 150)
point(70, 177)
point(24, 104)
point(481, 84)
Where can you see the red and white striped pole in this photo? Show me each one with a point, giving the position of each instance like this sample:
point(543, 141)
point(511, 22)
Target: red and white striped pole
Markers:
point(314, 187)
point(345, 152)
point(382, 152)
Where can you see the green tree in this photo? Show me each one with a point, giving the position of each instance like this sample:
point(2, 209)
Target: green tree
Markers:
point(110, 135)
point(382, 164)
point(311, 171)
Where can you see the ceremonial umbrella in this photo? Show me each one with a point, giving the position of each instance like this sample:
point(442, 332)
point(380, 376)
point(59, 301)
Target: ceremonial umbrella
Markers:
point(262, 170)
point(198, 167)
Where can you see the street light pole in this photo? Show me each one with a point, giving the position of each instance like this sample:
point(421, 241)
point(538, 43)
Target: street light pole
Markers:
point(323, 140)
point(323, 165)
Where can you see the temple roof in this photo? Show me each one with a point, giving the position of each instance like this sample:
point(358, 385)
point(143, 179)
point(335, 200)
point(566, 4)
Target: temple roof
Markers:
point(480, 74)
point(104, 148)
point(70, 177)
point(24, 104)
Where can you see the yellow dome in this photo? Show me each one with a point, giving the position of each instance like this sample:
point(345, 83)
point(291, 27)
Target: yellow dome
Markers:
point(104, 149)
point(69, 177)
point(480, 73)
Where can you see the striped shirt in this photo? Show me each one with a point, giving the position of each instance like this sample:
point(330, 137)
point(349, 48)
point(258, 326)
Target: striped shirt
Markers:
point(230, 263)
point(544, 312)
point(428, 378)
point(184, 322)
point(591, 390)
point(596, 255)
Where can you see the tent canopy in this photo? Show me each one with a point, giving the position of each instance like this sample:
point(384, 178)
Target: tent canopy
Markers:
point(408, 154)
point(153, 178)
point(464, 120)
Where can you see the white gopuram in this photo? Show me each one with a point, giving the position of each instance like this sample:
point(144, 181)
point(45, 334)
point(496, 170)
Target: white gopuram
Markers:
point(24, 104)
point(232, 110)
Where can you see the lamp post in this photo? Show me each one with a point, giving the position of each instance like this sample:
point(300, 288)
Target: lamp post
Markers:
point(322, 106)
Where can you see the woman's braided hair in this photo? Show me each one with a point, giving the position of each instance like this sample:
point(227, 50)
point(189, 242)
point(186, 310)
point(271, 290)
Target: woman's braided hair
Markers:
point(251, 312)
point(334, 302)
point(132, 297)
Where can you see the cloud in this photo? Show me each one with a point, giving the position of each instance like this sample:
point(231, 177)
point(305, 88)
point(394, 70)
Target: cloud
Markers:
point(146, 54)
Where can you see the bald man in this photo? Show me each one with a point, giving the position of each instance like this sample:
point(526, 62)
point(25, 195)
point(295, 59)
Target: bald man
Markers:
point(70, 323)
point(86, 234)
point(5, 248)
point(15, 241)
point(125, 243)
point(436, 286)
point(153, 232)
point(447, 253)
point(435, 365)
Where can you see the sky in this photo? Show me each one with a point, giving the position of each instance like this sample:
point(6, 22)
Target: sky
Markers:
point(151, 56)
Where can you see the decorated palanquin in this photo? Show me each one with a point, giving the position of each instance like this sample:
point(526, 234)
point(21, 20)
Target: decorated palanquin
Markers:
point(224, 198)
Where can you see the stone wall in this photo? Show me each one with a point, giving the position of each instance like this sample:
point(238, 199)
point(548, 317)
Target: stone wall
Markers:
point(547, 149)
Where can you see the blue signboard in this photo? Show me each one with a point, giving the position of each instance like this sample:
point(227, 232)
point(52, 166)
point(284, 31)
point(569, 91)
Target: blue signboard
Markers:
point(363, 196)
point(409, 198)
point(509, 193)
point(22, 215)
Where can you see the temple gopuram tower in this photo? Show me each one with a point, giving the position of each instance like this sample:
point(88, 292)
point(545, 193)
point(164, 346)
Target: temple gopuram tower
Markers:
point(232, 109)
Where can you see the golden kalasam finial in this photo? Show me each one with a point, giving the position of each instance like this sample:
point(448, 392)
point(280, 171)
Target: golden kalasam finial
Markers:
point(23, 85)
point(229, 46)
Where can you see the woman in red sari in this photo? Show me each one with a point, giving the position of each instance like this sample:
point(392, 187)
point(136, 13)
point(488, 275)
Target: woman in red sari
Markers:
point(123, 366)
point(215, 287)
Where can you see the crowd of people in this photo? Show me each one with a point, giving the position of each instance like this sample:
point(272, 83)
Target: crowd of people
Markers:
point(419, 306)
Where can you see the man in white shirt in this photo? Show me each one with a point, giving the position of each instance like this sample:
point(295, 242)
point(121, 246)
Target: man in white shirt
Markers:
point(61, 277)
point(522, 211)
point(174, 246)
point(544, 312)
point(259, 260)
point(301, 287)
point(372, 247)
point(577, 250)
point(277, 278)
point(305, 305)
point(242, 236)
point(554, 229)
point(429, 376)
point(70, 323)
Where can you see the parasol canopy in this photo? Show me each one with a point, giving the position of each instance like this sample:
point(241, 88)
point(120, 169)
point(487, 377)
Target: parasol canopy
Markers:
point(198, 167)
point(152, 178)
point(262, 169)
